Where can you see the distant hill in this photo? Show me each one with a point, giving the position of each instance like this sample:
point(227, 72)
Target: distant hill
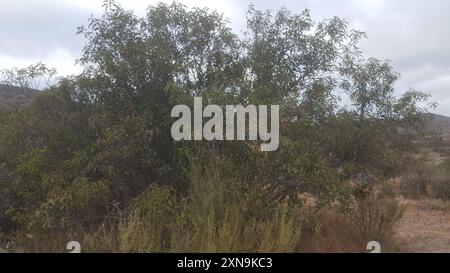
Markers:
point(438, 123)
point(11, 96)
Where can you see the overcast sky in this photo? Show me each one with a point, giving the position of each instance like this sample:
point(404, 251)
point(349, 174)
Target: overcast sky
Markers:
point(413, 34)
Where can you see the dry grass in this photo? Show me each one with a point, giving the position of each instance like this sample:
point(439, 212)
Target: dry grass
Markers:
point(218, 215)
point(335, 234)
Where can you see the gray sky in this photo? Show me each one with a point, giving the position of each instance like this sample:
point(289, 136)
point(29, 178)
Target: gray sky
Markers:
point(413, 34)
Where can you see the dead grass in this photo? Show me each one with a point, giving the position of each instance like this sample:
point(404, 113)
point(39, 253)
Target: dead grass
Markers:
point(334, 234)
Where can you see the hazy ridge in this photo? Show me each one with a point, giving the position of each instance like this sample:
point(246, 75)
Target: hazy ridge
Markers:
point(15, 96)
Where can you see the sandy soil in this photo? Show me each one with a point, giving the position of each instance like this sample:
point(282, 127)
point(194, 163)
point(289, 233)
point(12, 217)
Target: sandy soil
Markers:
point(425, 227)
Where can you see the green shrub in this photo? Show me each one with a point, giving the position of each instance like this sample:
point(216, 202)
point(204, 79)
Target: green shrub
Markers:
point(148, 226)
point(217, 215)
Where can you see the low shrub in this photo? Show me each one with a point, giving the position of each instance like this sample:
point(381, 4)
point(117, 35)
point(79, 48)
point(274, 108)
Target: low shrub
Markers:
point(440, 184)
point(217, 215)
point(375, 218)
point(415, 180)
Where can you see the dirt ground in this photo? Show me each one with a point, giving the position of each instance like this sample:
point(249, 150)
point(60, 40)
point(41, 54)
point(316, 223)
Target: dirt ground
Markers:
point(425, 227)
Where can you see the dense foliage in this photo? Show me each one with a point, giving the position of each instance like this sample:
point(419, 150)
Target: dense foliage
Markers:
point(92, 158)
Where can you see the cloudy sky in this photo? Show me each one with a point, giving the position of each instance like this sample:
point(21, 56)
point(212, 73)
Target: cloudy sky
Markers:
point(413, 34)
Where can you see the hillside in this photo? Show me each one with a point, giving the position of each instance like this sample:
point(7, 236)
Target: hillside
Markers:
point(15, 96)
point(439, 123)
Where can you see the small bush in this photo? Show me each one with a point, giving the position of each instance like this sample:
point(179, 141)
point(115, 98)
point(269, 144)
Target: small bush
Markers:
point(440, 184)
point(376, 217)
point(369, 217)
point(148, 226)
point(415, 181)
